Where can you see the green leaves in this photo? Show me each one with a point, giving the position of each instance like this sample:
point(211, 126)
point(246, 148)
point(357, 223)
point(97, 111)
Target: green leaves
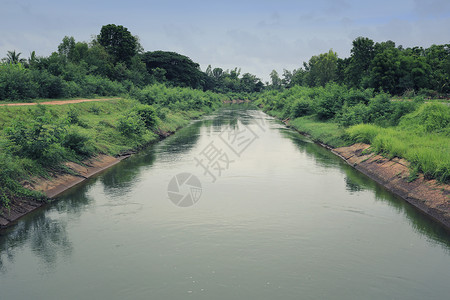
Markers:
point(118, 42)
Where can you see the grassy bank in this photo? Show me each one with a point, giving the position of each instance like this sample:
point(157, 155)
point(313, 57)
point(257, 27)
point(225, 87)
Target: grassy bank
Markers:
point(416, 131)
point(37, 140)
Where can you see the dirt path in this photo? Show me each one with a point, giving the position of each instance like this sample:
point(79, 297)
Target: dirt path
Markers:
point(59, 102)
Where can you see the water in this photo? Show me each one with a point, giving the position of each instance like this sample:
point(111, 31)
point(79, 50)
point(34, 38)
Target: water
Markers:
point(285, 220)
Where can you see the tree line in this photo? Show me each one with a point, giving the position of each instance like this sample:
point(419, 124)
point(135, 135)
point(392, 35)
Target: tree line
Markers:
point(114, 62)
point(382, 66)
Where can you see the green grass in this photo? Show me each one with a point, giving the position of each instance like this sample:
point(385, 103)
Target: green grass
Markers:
point(105, 127)
point(429, 153)
point(422, 137)
point(328, 133)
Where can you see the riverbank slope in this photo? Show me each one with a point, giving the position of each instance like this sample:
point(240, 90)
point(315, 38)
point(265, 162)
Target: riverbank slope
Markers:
point(429, 196)
point(54, 185)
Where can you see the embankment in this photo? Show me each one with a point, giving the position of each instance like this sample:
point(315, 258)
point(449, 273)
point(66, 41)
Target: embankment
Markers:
point(57, 184)
point(429, 196)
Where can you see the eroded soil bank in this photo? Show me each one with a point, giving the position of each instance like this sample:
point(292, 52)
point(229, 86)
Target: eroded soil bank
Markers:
point(430, 196)
point(55, 185)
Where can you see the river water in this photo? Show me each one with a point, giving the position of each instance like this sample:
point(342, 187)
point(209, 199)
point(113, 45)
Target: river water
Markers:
point(234, 206)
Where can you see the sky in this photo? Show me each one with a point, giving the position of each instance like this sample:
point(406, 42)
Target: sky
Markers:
point(256, 36)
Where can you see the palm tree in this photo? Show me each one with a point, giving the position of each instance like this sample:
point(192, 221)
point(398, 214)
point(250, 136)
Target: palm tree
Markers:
point(14, 58)
point(32, 60)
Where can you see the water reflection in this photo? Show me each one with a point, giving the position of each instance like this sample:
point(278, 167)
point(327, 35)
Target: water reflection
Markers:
point(45, 236)
point(357, 182)
point(120, 179)
point(45, 232)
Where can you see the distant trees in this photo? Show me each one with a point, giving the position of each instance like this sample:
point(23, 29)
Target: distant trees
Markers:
point(115, 57)
point(179, 70)
point(361, 57)
point(381, 66)
point(321, 69)
point(12, 57)
point(231, 81)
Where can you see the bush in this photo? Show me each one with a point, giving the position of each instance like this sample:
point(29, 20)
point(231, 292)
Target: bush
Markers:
point(38, 139)
point(131, 125)
point(49, 86)
point(16, 83)
point(301, 107)
point(352, 115)
point(147, 114)
point(78, 143)
point(380, 109)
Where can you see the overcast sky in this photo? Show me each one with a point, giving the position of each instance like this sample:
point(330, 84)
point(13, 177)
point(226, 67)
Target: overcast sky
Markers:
point(257, 36)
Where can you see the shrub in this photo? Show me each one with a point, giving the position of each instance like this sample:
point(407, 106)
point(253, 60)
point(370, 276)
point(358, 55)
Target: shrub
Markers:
point(147, 114)
point(352, 115)
point(131, 125)
point(380, 109)
point(301, 107)
point(39, 139)
point(78, 143)
point(16, 83)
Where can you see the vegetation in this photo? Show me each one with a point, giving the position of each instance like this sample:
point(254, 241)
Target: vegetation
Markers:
point(37, 140)
point(336, 101)
point(338, 116)
point(380, 66)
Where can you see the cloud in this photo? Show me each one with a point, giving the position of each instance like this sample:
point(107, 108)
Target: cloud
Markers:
point(257, 36)
point(432, 8)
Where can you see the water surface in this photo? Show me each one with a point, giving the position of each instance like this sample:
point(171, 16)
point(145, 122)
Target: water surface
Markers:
point(284, 219)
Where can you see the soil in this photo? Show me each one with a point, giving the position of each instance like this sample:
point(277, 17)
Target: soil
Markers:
point(429, 196)
point(58, 102)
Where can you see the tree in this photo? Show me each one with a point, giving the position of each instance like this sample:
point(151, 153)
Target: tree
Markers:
point(361, 58)
point(275, 80)
point(385, 71)
point(67, 47)
point(118, 42)
point(321, 69)
point(298, 77)
point(13, 58)
point(438, 57)
point(250, 83)
point(287, 78)
point(180, 69)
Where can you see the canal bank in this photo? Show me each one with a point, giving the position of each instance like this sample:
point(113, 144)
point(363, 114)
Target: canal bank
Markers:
point(58, 183)
point(429, 196)
point(288, 218)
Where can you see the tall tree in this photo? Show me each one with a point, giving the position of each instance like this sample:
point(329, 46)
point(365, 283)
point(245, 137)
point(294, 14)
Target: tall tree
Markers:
point(275, 80)
point(361, 57)
point(180, 69)
point(118, 42)
point(321, 69)
point(67, 47)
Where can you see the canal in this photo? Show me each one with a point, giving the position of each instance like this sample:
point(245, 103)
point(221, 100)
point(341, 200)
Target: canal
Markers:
point(234, 206)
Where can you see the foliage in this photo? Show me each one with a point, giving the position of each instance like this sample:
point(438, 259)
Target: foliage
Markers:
point(321, 69)
point(428, 153)
point(118, 42)
point(179, 70)
point(38, 139)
